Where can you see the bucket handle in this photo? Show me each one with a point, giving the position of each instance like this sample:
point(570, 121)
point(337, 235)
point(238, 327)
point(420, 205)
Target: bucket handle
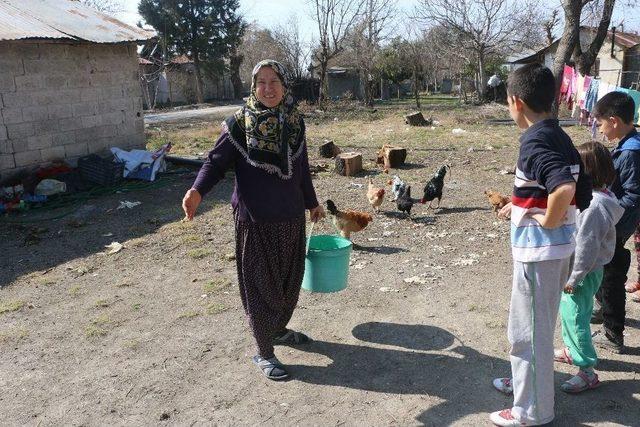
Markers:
point(306, 251)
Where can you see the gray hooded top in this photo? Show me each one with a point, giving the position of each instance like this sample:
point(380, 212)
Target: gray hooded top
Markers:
point(596, 235)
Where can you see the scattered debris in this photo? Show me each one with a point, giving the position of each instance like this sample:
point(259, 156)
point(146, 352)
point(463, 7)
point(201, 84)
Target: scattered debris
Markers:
point(317, 168)
point(508, 171)
point(49, 187)
point(356, 185)
point(458, 131)
point(114, 248)
point(129, 205)
point(416, 279)
point(388, 289)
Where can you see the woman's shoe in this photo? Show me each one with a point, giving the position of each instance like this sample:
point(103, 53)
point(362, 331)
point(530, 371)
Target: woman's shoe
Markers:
point(271, 368)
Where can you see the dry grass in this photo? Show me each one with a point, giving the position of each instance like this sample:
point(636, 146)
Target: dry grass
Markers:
point(9, 306)
point(199, 253)
point(215, 285)
point(215, 308)
point(97, 327)
point(190, 314)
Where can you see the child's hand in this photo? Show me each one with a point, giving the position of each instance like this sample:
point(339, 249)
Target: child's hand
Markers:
point(505, 212)
point(569, 289)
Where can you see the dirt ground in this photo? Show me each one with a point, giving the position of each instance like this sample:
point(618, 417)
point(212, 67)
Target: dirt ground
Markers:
point(155, 334)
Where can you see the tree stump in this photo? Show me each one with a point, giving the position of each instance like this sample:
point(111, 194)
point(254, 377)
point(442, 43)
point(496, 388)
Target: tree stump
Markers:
point(348, 164)
point(391, 156)
point(329, 150)
point(417, 119)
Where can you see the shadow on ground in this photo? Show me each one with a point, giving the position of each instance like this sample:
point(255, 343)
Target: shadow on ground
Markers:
point(36, 243)
point(428, 360)
point(446, 211)
point(384, 250)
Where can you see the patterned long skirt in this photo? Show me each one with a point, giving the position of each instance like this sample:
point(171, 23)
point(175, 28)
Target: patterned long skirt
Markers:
point(270, 261)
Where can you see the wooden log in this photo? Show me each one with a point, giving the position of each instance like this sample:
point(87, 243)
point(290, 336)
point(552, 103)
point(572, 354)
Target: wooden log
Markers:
point(417, 119)
point(391, 156)
point(348, 164)
point(329, 150)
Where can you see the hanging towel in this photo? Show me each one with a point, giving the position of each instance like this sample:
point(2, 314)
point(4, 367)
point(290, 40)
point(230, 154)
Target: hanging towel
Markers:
point(604, 89)
point(566, 86)
point(591, 97)
point(579, 95)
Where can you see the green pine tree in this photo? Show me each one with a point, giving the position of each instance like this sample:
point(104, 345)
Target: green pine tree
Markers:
point(207, 31)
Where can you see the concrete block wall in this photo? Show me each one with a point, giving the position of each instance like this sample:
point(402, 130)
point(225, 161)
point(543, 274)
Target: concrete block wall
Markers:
point(65, 100)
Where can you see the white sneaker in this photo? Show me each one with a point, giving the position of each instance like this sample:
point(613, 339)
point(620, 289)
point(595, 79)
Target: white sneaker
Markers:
point(504, 418)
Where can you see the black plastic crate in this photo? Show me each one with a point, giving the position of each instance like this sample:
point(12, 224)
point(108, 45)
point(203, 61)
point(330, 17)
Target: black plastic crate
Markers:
point(100, 171)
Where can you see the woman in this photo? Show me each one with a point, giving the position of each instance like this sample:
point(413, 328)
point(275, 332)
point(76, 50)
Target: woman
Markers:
point(265, 143)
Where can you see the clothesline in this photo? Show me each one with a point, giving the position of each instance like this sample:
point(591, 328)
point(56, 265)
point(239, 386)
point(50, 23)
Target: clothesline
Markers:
point(581, 92)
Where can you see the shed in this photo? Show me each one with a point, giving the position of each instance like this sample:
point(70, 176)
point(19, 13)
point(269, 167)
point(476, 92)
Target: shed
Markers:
point(344, 83)
point(69, 83)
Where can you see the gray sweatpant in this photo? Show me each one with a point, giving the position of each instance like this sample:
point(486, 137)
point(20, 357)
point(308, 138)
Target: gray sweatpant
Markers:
point(535, 299)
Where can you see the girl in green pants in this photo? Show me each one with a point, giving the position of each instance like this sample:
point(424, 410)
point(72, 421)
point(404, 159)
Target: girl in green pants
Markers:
point(595, 244)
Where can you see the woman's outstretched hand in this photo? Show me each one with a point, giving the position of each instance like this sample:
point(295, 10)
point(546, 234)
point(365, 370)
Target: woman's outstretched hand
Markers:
point(316, 213)
point(190, 203)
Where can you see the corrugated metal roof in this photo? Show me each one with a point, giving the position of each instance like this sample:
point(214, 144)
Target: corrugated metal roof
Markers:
point(63, 19)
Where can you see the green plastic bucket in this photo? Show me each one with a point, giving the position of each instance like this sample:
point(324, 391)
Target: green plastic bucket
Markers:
point(326, 268)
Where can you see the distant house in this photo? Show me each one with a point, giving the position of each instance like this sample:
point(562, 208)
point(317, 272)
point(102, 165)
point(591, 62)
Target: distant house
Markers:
point(617, 63)
point(69, 83)
point(175, 83)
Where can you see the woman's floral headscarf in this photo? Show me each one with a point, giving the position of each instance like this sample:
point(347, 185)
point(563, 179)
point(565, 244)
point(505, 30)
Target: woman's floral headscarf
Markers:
point(270, 138)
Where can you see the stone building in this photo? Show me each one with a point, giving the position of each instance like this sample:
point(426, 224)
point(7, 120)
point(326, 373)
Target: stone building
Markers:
point(69, 83)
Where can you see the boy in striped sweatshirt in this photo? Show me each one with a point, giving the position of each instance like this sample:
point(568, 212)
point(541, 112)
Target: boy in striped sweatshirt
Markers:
point(549, 186)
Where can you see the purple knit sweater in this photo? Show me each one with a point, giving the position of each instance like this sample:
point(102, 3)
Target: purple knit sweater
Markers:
point(258, 195)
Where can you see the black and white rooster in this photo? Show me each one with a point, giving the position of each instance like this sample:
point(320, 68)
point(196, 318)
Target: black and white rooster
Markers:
point(433, 189)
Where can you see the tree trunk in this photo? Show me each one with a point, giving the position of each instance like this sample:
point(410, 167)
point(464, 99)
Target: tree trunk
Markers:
point(199, 96)
point(585, 60)
point(415, 88)
point(323, 83)
point(570, 36)
point(234, 65)
point(482, 86)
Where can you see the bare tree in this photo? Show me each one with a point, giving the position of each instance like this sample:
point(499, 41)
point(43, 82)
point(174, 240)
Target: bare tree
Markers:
point(258, 44)
point(334, 18)
point(371, 30)
point(550, 25)
point(110, 7)
point(484, 27)
point(570, 45)
point(289, 41)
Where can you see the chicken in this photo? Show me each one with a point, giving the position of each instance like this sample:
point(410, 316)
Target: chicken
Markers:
point(404, 202)
point(348, 221)
point(375, 195)
point(433, 189)
point(397, 186)
point(497, 200)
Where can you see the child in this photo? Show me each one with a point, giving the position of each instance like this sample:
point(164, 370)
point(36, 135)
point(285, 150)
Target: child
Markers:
point(548, 176)
point(595, 243)
point(614, 115)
